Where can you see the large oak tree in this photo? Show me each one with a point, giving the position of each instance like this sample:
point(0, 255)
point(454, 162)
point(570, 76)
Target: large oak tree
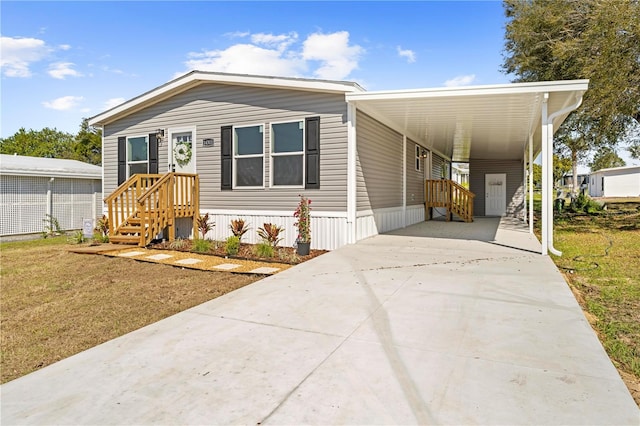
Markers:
point(577, 39)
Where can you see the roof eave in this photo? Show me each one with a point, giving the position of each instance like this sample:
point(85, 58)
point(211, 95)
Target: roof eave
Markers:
point(195, 78)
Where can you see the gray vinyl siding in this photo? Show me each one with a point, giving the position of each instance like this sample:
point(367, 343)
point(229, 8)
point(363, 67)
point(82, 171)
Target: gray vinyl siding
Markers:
point(515, 190)
point(378, 165)
point(415, 179)
point(437, 165)
point(210, 106)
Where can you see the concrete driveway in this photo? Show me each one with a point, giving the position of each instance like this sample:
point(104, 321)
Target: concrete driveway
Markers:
point(441, 323)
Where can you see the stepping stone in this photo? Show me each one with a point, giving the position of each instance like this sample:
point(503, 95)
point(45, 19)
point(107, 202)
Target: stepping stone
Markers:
point(226, 266)
point(264, 270)
point(188, 261)
point(159, 257)
point(131, 253)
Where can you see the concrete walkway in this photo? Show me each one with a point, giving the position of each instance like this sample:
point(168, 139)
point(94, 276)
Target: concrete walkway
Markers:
point(411, 328)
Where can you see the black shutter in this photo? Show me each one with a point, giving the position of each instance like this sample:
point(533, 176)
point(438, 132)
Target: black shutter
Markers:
point(312, 151)
point(153, 153)
point(122, 159)
point(226, 157)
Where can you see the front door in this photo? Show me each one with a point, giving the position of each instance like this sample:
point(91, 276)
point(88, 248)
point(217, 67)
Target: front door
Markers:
point(182, 152)
point(495, 194)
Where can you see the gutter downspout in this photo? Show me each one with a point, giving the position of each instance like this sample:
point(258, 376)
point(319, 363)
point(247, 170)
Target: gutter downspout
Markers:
point(531, 184)
point(547, 140)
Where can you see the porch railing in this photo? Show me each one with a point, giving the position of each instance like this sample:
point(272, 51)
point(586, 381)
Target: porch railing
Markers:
point(122, 203)
point(174, 195)
point(146, 204)
point(450, 195)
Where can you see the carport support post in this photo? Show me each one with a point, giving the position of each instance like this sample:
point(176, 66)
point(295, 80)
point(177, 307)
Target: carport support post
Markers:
point(546, 168)
point(351, 174)
point(531, 184)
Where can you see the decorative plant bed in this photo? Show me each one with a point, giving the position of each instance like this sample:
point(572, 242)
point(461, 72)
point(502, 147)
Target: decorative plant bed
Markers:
point(285, 255)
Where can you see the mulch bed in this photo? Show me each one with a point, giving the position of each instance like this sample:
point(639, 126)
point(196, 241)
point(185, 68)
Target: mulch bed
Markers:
point(285, 255)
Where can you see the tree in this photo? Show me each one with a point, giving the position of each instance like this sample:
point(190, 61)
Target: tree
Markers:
point(605, 159)
point(576, 39)
point(48, 143)
point(561, 166)
point(537, 174)
point(88, 144)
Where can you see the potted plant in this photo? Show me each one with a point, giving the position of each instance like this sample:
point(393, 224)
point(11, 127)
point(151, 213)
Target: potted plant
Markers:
point(302, 213)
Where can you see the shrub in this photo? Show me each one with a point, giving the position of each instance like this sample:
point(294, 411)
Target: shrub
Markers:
point(201, 246)
point(179, 244)
point(584, 203)
point(51, 226)
point(102, 227)
point(77, 238)
point(100, 238)
point(232, 245)
point(270, 233)
point(238, 228)
point(264, 249)
point(203, 225)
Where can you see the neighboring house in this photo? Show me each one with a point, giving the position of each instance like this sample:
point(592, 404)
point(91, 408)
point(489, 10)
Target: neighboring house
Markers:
point(460, 173)
point(567, 181)
point(32, 188)
point(615, 182)
point(256, 143)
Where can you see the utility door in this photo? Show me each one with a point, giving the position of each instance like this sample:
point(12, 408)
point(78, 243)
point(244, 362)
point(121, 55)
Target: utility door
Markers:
point(495, 194)
point(182, 153)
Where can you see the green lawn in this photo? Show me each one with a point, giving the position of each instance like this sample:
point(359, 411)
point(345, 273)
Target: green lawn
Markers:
point(601, 262)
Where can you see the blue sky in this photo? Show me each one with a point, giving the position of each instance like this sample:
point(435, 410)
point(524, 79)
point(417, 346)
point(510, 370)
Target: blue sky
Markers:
point(62, 61)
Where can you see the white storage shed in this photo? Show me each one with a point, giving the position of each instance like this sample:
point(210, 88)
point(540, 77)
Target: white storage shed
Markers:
point(32, 188)
point(615, 182)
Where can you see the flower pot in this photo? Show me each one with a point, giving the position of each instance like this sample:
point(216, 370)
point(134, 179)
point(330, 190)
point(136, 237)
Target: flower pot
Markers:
point(303, 249)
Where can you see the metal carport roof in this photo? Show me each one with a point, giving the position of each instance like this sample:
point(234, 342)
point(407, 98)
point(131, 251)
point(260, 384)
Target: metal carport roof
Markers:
point(483, 122)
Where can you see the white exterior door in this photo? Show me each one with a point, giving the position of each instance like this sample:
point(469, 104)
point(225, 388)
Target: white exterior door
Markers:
point(495, 194)
point(182, 151)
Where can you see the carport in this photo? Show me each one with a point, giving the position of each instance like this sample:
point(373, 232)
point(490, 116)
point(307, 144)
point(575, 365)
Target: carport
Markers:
point(487, 125)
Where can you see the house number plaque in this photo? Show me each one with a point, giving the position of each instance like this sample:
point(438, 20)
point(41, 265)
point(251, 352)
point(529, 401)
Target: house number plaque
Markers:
point(207, 142)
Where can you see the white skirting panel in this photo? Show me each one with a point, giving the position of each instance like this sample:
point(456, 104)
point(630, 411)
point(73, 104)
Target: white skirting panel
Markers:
point(328, 231)
point(414, 214)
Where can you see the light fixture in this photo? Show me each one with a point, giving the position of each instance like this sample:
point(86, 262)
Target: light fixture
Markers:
point(160, 135)
point(423, 154)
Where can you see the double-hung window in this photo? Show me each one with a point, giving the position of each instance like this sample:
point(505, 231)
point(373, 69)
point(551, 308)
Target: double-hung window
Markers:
point(418, 158)
point(248, 142)
point(287, 154)
point(137, 155)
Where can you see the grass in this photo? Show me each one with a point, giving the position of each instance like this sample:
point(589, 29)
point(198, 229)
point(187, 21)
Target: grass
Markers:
point(55, 304)
point(601, 263)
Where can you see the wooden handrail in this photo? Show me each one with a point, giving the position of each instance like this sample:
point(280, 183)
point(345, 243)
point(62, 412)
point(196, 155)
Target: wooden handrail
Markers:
point(451, 195)
point(121, 203)
point(174, 195)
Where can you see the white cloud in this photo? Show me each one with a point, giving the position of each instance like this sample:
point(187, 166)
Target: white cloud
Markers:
point(281, 41)
point(281, 55)
point(113, 102)
point(64, 47)
point(61, 70)
point(461, 80)
point(64, 103)
point(246, 59)
point(19, 53)
point(406, 53)
point(336, 56)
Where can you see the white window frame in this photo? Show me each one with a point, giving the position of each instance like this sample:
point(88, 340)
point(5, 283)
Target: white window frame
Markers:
point(284, 154)
point(418, 159)
point(234, 145)
point(173, 130)
point(129, 162)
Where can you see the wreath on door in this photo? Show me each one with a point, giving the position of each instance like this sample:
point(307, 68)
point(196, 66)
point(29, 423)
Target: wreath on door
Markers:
point(182, 154)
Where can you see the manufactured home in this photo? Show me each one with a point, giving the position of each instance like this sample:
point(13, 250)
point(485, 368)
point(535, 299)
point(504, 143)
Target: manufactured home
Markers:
point(33, 190)
point(615, 182)
point(247, 146)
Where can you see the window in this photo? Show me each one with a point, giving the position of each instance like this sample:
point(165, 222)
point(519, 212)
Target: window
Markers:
point(248, 153)
point(287, 154)
point(418, 158)
point(137, 155)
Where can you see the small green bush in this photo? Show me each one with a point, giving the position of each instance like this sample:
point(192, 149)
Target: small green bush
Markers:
point(264, 249)
point(179, 244)
point(77, 238)
point(99, 237)
point(201, 246)
point(232, 245)
point(584, 203)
